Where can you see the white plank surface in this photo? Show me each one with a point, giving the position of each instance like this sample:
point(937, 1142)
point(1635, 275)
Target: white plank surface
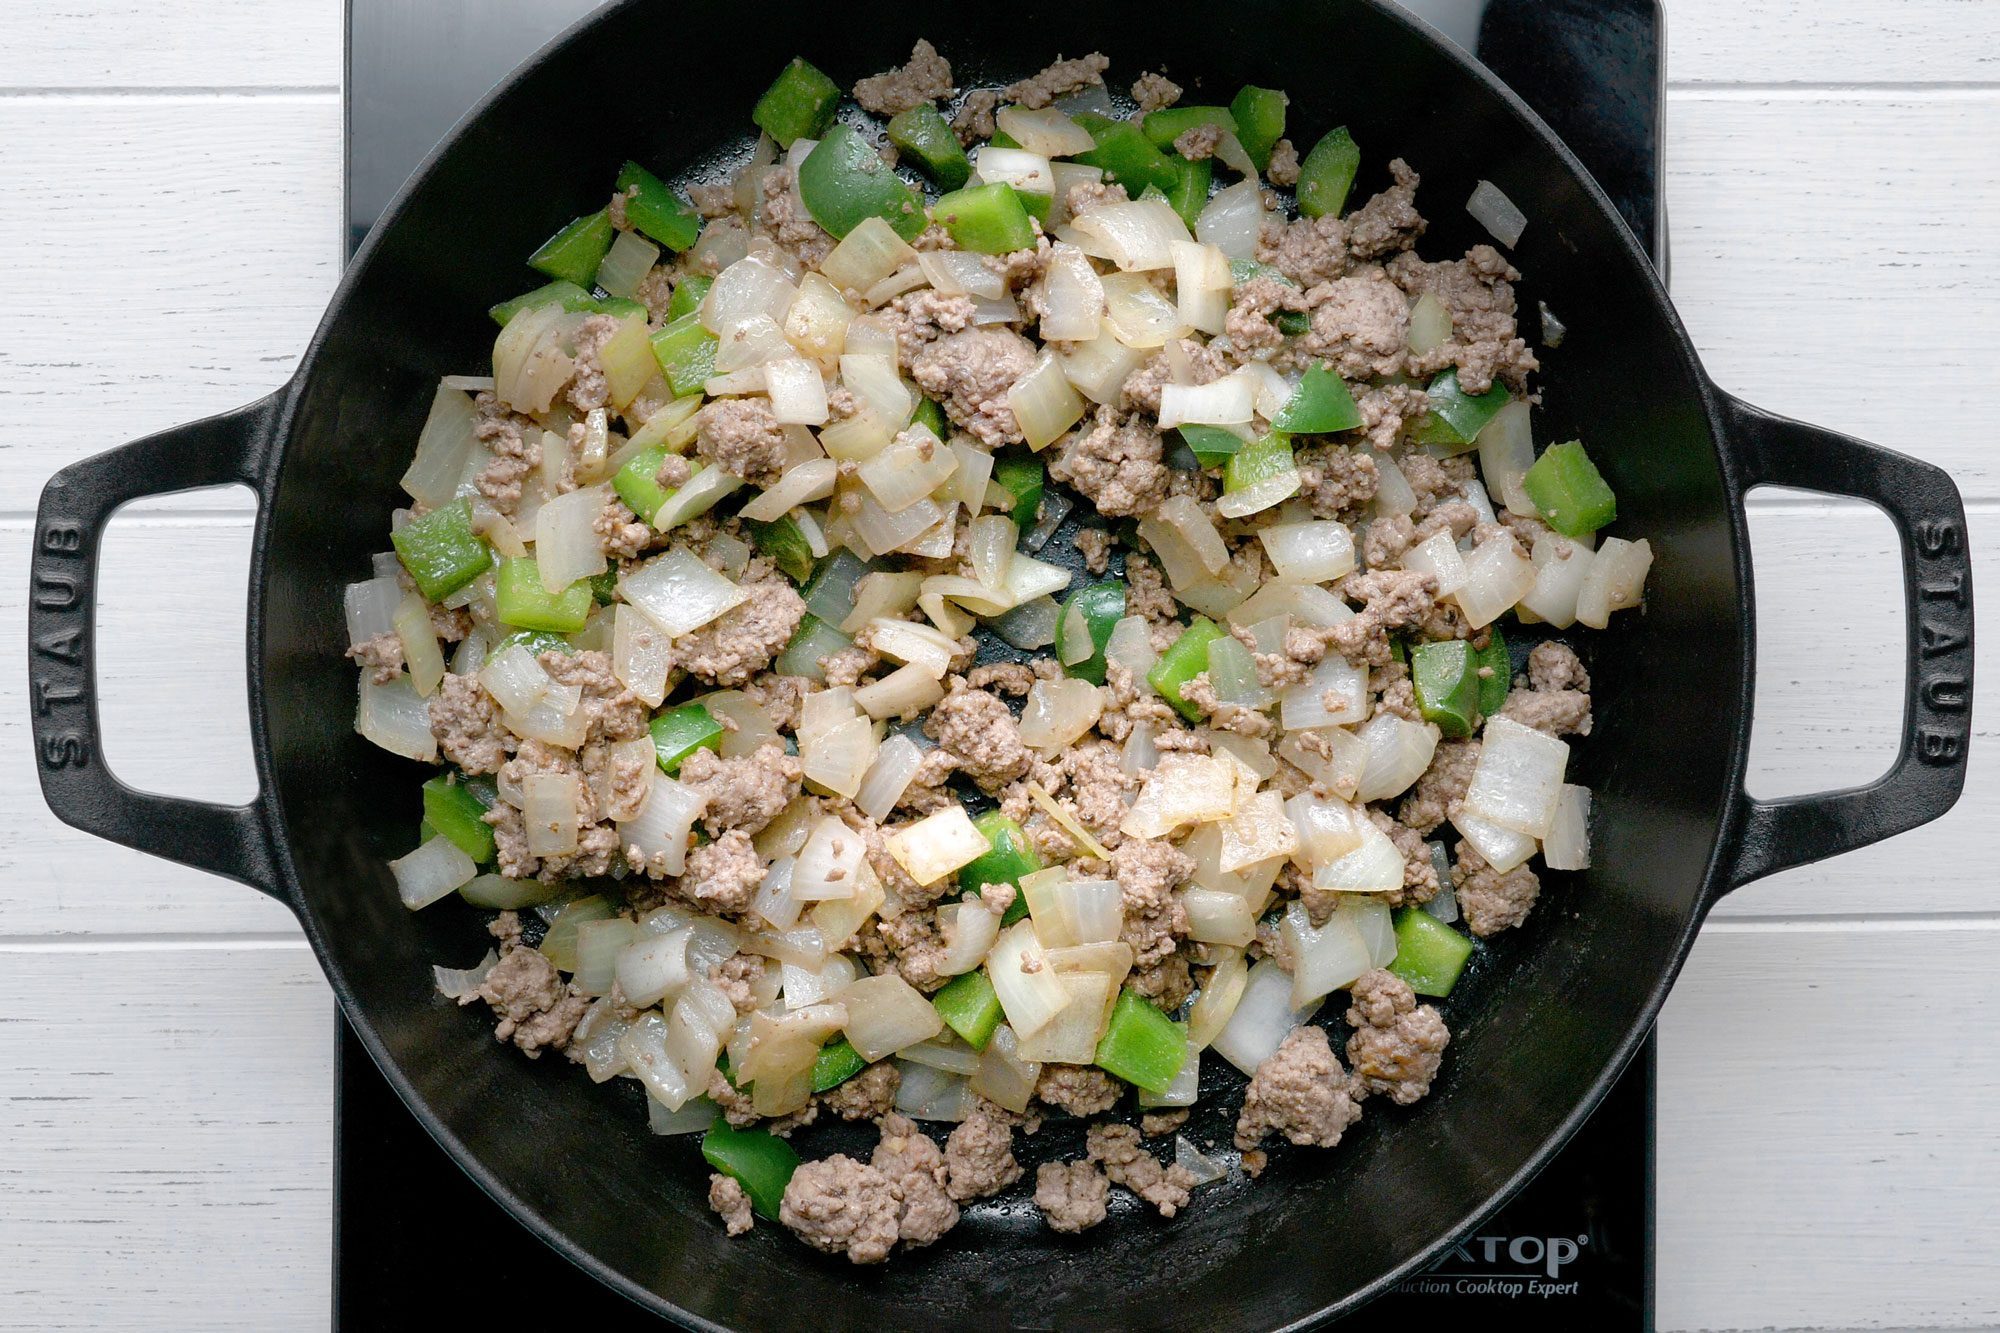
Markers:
point(169, 196)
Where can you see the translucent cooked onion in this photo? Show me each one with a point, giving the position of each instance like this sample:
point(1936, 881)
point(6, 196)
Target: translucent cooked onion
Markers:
point(908, 469)
point(938, 844)
point(1506, 451)
point(1273, 390)
point(567, 547)
point(1259, 496)
point(447, 444)
point(1430, 325)
point(1182, 789)
point(1439, 557)
point(1316, 551)
point(747, 727)
point(555, 720)
point(905, 279)
point(918, 645)
point(1186, 517)
point(664, 823)
point(1072, 911)
point(1503, 849)
point(1099, 368)
point(1497, 213)
point(1519, 778)
point(549, 812)
point(802, 483)
point(1029, 998)
point(1044, 402)
point(797, 393)
point(943, 1052)
point(626, 264)
point(1229, 401)
point(1218, 918)
point(529, 363)
point(1261, 1018)
point(749, 290)
point(886, 1013)
point(1303, 602)
point(653, 967)
point(1234, 219)
point(679, 593)
point(694, 1117)
point(1072, 297)
point(1221, 991)
point(747, 348)
point(395, 717)
point(1058, 713)
point(598, 946)
point(804, 986)
point(1394, 497)
point(1399, 751)
point(975, 470)
point(371, 608)
point(969, 931)
point(1327, 829)
point(865, 256)
point(1025, 171)
point(873, 379)
point(883, 594)
point(1131, 646)
point(1324, 958)
point(1567, 844)
point(1373, 867)
point(1562, 566)
point(819, 317)
point(837, 760)
point(497, 893)
point(884, 530)
point(1616, 581)
point(1335, 694)
point(1259, 831)
point(1232, 674)
point(432, 871)
point(930, 1094)
point(1140, 314)
point(1004, 1078)
point(936, 541)
point(703, 491)
point(1071, 1037)
point(904, 692)
point(1137, 235)
point(642, 1049)
point(1047, 131)
point(422, 657)
point(1029, 578)
point(961, 273)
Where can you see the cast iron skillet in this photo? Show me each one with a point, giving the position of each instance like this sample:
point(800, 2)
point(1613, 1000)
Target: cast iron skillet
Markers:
point(1538, 1032)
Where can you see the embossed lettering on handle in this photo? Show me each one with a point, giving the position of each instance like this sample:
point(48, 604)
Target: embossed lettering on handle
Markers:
point(59, 676)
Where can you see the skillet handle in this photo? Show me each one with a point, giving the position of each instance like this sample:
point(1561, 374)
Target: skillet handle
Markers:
point(1929, 771)
point(231, 840)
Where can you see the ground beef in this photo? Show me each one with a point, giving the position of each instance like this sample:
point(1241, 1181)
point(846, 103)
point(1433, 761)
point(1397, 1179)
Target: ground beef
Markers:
point(1154, 1124)
point(974, 120)
point(917, 943)
point(1360, 324)
point(1335, 480)
point(1420, 881)
point(746, 792)
point(740, 436)
point(1115, 464)
point(1397, 1044)
point(450, 623)
point(1019, 268)
point(849, 665)
point(381, 655)
point(979, 1155)
point(588, 387)
point(674, 472)
point(969, 374)
point(731, 649)
point(1146, 591)
point(618, 780)
point(722, 876)
point(738, 977)
point(1490, 901)
point(1389, 222)
point(980, 734)
point(1096, 782)
point(730, 1203)
point(1198, 142)
point(1478, 291)
point(615, 713)
point(1309, 251)
point(1152, 91)
point(785, 220)
point(929, 789)
point(1392, 599)
point(1141, 390)
point(534, 1007)
point(1148, 870)
point(779, 697)
point(840, 1206)
point(1284, 168)
point(715, 199)
point(515, 442)
point(1085, 195)
point(1058, 80)
point(1442, 786)
point(926, 78)
point(1072, 1195)
point(466, 723)
point(1557, 700)
point(1248, 323)
point(620, 534)
point(1118, 1149)
point(1081, 1090)
point(734, 1103)
point(916, 1173)
point(1094, 545)
point(869, 1094)
point(1014, 678)
point(920, 318)
point(1301, 1092)
point(1388, 411)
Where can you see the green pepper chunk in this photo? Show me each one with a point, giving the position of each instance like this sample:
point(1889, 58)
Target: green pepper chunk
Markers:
point(1212, 446)
point(1126, 156)
point(525, 604)
point(1429, 954)
point(425, 832)
point(566, 294)
point(844, 181)
point(637, 483)
point(536, 641)
point(441, 551)
point(1292, 323)
point(604, 587)
point(1445, 677)
point(655, 210)
point(452, 808)
point(836, 1063)
point(924, 134)
point(688, 295)
point(1020, 475)
point(1569, 490)
point(574, 253)
point(784, 541)
point(1182, 662)
point(1260, 122)
point(799, 104)
point(1190, 192)
point(1258, 460)
point(970, 1007)
point(761, 1163)
point(686, 353)
point(679, 732)
point(1169, 123)
point(1008, 856)
point(1327, 174)
point(1142, 1045)
point(1456, 417)
point(1092, 612)
point(985, 219)
point(1498, 669)
point(931, 417)
point(1320, 405)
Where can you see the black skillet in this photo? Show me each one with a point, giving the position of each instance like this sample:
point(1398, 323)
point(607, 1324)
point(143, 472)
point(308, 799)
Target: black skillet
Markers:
point(1539, 1030)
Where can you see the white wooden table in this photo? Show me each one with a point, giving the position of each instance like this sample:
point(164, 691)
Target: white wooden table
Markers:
point(169, 214)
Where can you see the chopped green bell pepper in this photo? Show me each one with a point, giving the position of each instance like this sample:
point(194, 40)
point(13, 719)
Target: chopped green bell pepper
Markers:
point(1182, 662)
point(986, 219)
point(785, 542)
point(1008, 856)
point(1445, 677)
point(1321, 405)
point(688, 295)
point(799, 104)
point(927, 137)
point(679, 732)
point(1429, 954)
point(931, 417)
point(1456, 417)
point(536, 641)
point(1126, 156)
point(453, 809)
point(655, 210)
point(1169, 123)
point(1142, 1045)
point(836, 1063)
point(425, 832)
point(761, 1163)
point(1212, 446)
point(970, 1007)
point(844, 181)
point(441, 551)
point(686, 353)
point(1258, 460)
point(1327, 174)
point(637, 483)
point(1569, 490)
point(1260, 122)
point(566, 294)
point(1097, 609)
point(1189, 194)
point(525, 604)
point(574, 253)
point(1021, 476)
point(1499, 673)
point(604, 587)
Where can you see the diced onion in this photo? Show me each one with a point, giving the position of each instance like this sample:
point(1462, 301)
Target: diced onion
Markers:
point(930, 1094)
point(529, 363)
point(641, 655)
point(798, 394)
point(1259, 496)
point(961, 273)
point(1259, 831)
point(1497, 576)
point(694, 1117)
point(1373, 867)
point(749, 290)
point(904, 692)
point(431, 872)
point(1316, 551)
point(1220, 994)
point(1503, 849)
point(1562, 567)
point(679, 593)
point(664, 823)
point(1025, 171)
point(819, 317)
point(1140, 314)
point(1202, 284)
point(837, 919)
point(1234, 219)
point(1099, 368)
point(913, 465)
point(1506, 451)
point(703, 491)
point(806, 986)
point(1394, 496)
point(1430, 325)
point(1303, 602)
point(837, 760)
point(425, 660)
point(886, 1013)
point(1399, 751)
point(598, 947)
point(1058, 713)
point(1131, 646)
point(1029, 998)
point(567, 547)
point(1335, 694)
point(1004, 1078)
point(1215, 917)
point(1497, 213)
point(937, 844)
point(1187, 518)
point(1616, 581)
point(1232, 674)
point(1182, 789)
point(918, 645)
point(1519, 778)
point(1070, 911)
point(653, 967)
point(1261, 1018)
point(642, 1048)
point(549, 810)
point(1567, 844)
point(1229, 401)
point(447, 444)
point(626, 264)
point(1438, 556)
point(395, 717)
point(1137, 235)
point(943, 1052)
point(1324, 958)
point(969, 931)
point(456, 983)
point(1072, 1036)
point(1327, 829)
point(1072, 297)
point(1044, 402)
point(1047, 131)
point(866, 255)
point(371, 608)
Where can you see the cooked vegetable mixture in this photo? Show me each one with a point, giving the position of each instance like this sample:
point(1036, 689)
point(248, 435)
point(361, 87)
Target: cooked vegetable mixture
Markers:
point(740, 609)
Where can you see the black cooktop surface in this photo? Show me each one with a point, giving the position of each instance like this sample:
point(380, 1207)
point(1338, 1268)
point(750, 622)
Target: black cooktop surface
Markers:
point(417, 1244)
